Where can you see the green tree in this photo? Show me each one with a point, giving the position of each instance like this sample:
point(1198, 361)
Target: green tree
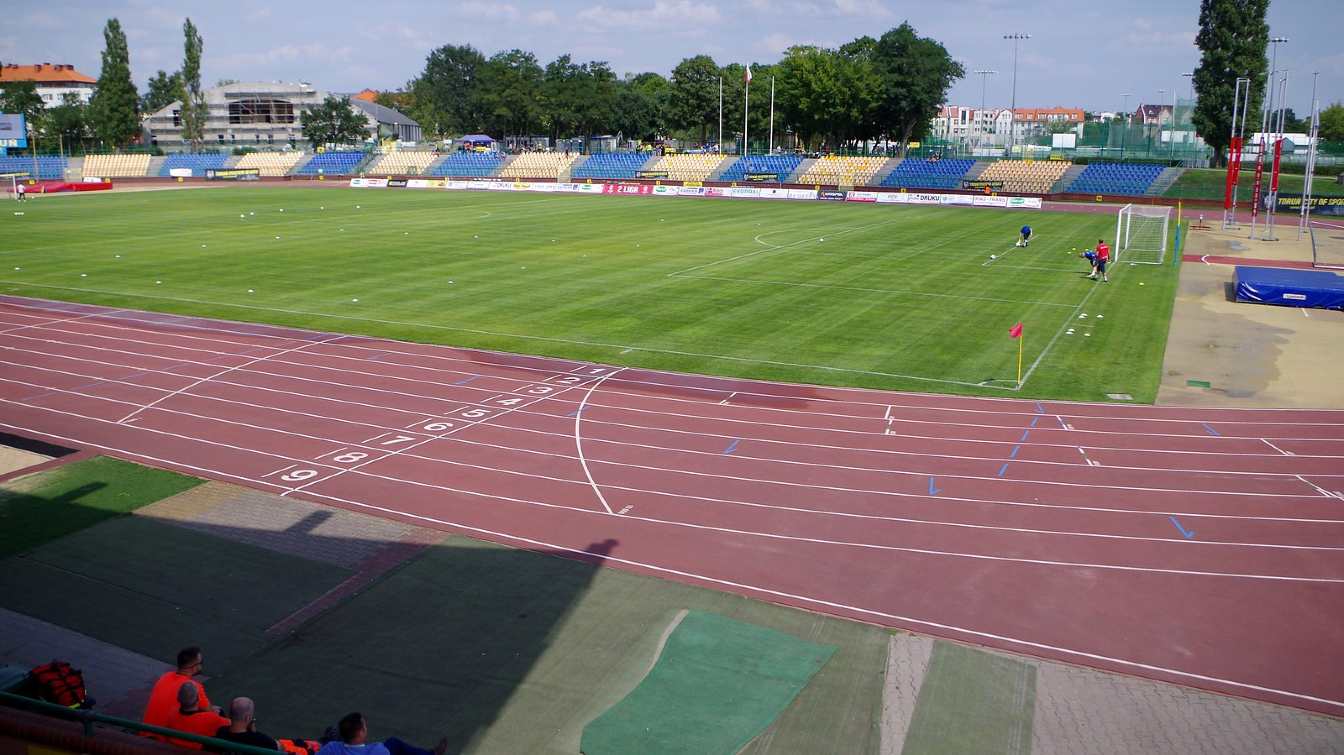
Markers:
point(1232, 39)
point(508, 93)
point(21, 97)
point(640, 106)
point(810, 96)
point(560, 87)
point(68, 122)
point(914, 74)
point(445, 92)
point(194, 109)
point(164, 89)
point(334, 122)
point(693, 101)
point(596, 89)
point(113, 110)
point(1332, 123)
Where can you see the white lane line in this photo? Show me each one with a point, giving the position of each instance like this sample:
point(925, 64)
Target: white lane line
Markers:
point(221, 373)
point(711, 580)
point(524, 450)
point(730, 397)
point(578, 439)
point(1276, 448)
point(1316, 487)
point(862, 391)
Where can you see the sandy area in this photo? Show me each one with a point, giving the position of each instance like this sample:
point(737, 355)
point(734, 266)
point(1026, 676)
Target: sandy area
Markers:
point(13, 459)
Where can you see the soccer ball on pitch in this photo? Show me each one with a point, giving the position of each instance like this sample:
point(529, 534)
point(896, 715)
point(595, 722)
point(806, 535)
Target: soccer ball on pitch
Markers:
point(1018, 244)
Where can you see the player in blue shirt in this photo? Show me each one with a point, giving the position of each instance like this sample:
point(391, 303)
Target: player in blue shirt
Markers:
point(1026, 236)
point(1091, 258)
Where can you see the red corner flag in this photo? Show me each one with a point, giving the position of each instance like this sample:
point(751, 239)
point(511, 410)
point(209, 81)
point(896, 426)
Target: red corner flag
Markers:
point(1015, 331)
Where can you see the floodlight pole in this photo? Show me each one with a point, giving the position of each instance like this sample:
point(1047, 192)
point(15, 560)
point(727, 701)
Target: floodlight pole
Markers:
point(984, 74)
point(1265, 109)
point(1124, 135)
point(1313, 133)
point(719, 147)
point(1012, 127)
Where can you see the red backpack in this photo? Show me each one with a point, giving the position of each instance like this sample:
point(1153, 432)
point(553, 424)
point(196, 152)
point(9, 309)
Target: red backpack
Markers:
point(58, 682)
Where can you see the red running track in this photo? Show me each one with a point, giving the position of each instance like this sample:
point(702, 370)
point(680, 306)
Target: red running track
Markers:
point(1202, 547)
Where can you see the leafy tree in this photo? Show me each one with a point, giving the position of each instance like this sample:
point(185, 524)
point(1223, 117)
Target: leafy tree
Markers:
point(22, 97)
point(641, 102)
point(403, 101)
point(809, 92)
point(1332, 123)
point(1232, 39)
point(914, 75)
point(559, 96)
point(194, 109)
point(225, 82)
point(694, 97)
point(113, 110)
point(596, 90)
point(334, 122)
point(164, 89)
point(508, 93)
point(68, 121)
point(445, 92)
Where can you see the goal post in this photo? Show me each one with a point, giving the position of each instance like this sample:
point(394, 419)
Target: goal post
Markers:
point(1141, 234)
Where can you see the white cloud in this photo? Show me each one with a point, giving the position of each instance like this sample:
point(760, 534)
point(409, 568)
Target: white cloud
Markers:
point(308, 53)
point(543, 18)
point(487, 10)
point(671, 13)
point(865, 8)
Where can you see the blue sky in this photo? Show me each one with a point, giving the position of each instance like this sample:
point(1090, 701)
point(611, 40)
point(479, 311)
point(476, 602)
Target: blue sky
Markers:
point(1081, 54)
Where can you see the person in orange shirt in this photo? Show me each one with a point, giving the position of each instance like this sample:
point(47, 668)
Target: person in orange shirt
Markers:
point(192, 718)
point(163, 698)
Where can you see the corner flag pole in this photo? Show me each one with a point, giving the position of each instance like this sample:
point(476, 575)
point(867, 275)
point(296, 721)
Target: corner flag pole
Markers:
point(1020, 340)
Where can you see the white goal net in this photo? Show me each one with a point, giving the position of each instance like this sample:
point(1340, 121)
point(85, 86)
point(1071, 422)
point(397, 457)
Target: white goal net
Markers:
point(1141, 234)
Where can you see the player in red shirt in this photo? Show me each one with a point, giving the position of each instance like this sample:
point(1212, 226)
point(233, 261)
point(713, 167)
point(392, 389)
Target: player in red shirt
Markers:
point(1103, 256)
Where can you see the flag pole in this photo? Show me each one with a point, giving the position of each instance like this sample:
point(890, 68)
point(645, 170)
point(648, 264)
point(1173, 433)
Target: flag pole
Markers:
point(772, 120)
point(720, 145)
point(1020, 339)
point(746, 100)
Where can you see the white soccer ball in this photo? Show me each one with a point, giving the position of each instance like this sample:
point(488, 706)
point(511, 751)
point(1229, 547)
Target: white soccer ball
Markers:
point(993, 256)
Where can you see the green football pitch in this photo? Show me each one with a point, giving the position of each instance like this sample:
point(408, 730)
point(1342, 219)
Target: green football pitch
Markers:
point(899, 297)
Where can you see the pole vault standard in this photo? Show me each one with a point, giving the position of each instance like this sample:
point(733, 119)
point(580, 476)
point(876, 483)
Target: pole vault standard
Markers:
point(1240, 104)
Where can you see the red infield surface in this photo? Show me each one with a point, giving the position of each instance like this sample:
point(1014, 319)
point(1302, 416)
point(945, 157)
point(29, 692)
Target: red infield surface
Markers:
point(1203, 547)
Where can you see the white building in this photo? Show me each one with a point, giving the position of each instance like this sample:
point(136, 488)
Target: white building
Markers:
point(54, 81)
point(973, 127)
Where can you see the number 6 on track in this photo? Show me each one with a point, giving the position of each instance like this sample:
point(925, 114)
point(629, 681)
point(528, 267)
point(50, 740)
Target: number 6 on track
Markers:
point(299, 475)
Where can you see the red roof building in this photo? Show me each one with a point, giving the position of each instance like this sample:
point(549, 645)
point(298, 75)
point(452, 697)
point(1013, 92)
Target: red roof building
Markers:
point(54, 81)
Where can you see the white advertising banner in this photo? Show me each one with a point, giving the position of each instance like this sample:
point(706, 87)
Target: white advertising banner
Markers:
point(861, 196)
point(690, 191)
point(802, 193)
point(180, 172)
point(957, 199)
point(744, 192)
point(1029, 203)
point(368, 183)
point(891, 197)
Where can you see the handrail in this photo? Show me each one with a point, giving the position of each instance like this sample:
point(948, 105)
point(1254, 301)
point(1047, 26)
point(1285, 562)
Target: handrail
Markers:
point(88, 718)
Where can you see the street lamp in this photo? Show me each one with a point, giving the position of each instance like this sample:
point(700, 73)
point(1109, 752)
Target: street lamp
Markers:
point(1012, 129)
point(984, 74)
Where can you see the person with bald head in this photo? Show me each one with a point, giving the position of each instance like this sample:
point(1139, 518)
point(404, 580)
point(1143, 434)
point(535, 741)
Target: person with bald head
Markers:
point(242, 728)
point(192, 718)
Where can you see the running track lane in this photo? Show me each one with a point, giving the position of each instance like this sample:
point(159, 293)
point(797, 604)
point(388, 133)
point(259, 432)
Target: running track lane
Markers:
point(1203, 547)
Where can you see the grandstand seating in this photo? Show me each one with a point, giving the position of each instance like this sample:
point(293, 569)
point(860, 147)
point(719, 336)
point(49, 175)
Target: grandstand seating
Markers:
point(1028, 177)
point(611, 165)
point(697, 167)
point(851, 171)
point(538, 165)
point(334, 163)
point(468, 165)
point(781, 165)
point(1115, 178)
point(928, 174)
point(270, 163)
point(401, 163)
point(198, 164)
point(117, 166)
point(48, 166)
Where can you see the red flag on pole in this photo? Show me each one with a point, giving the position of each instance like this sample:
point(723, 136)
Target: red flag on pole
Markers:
point(1015, 331)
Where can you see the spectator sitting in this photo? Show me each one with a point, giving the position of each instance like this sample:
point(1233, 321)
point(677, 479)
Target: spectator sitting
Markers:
point(193, 719)
point(163, 698)
point(242, 728)
point(354, 734)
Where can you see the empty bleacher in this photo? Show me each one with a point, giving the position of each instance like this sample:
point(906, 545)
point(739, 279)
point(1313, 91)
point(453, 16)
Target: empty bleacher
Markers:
point(1115, 178)
point(198, 164)
point(928, 174)
point(1025, 177)
point(611, 165)
point(780, 165)
point(270, 163)
point(696, 167)
point(117, 166)
point(334, 163)
point(468, 165)
point(848, 171)
point(401, 163)
point(48, 166)
point(538, 165)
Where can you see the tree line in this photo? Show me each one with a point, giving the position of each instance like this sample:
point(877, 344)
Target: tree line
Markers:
point(888, 87)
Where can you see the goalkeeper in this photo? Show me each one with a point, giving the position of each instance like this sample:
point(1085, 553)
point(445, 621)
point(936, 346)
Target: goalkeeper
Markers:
point(1091, 258)
point(1024, 237)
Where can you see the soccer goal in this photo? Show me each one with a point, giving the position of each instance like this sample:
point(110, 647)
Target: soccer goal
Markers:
point(1141, 234)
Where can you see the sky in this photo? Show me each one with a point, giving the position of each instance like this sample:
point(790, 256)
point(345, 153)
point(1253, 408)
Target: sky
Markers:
point(1081, 54)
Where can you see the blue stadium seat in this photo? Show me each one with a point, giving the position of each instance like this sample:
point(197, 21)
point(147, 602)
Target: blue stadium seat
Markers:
point(928, 174)
point(48, 166)
point(198, 164)
point(781, 165)
point(468, 165)
point(1115, 178)
point(331, 163)
point(611, 165)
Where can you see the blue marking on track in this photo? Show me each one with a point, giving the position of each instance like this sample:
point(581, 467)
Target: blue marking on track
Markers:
point(1034, 420)
point(1209, 429)
point(1013, 455)
point(574, 413)
point(732, 446)
point(1003, 469)
point(933, 490)
point(1040, 409)
point(1187, 534)
point(1023, 439)
point(464, 381)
